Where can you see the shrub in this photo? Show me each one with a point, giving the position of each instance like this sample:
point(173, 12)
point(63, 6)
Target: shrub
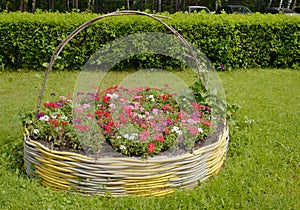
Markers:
point(237, 41)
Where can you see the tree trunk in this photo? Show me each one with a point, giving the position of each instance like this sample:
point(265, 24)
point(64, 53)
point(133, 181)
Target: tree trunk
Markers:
point(159, 5)
point(33, 5)
point(127, 5)
point(269, 5)
point(293, 4)
point(68, 5)
point(23, 5)
point(280, 3)
point(96, 9)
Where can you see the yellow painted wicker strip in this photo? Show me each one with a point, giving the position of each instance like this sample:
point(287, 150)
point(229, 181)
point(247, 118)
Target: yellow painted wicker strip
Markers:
point(49, 178)
point(55, 186)
point(55, 173)
point(46, 163)
point(57, 154)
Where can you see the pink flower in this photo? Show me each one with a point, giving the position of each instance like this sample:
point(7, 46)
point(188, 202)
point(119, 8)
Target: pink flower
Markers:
point(158, 137)
point(168, 107)
point(155, 111)
point(144, 135)
point(196, 106)
point(123, 119)
point(193, 130)
point(90, 115)
point(207, 123)
point(82, 127)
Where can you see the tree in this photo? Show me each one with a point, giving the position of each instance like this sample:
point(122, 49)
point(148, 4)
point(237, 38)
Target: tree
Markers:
point(159, 5)
point(293, 4)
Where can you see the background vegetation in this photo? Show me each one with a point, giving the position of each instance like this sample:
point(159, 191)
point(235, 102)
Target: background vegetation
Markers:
point(104, 6)
point(237, 41)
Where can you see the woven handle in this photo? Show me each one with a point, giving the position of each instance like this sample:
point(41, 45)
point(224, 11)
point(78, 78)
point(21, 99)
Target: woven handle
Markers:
point(61, 46)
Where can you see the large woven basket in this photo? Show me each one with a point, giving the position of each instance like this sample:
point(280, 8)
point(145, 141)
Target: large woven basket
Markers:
point(123, 176)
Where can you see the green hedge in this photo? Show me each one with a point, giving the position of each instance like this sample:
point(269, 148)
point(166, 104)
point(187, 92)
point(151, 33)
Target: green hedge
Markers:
point(237, 41)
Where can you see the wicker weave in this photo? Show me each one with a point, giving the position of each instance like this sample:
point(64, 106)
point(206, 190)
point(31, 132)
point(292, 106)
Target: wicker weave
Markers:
point(122, 176)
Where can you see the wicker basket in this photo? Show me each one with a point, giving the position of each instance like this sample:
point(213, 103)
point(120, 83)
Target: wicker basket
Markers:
point(122, 176)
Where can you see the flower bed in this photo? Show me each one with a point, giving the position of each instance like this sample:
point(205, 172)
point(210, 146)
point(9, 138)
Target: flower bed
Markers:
point(138, 122)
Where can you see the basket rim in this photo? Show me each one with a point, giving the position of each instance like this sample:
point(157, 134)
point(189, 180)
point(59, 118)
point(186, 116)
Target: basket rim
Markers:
point(156, 158)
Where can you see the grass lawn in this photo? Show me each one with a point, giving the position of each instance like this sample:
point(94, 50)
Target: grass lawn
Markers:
point(262, 169)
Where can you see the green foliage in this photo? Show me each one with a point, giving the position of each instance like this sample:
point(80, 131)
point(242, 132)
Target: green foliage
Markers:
point(237, 41)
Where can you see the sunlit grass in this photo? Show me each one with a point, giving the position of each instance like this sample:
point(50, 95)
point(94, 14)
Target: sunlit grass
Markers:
point(262, 166)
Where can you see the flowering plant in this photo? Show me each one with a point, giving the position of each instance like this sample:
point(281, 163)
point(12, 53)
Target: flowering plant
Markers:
point(139, 121)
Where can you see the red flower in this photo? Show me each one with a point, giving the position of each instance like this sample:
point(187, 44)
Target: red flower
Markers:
point(99, 113)
point(54, 123)
point(151, 147)
point(108, 126)
point(64, 123)
point(51, 104)
point(166, 131)
point(106, 99)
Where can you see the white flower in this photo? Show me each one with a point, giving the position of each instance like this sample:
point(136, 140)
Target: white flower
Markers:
point(53, 116)
point(126, 136)
point(45, 118)
point(114, 95)
point(36, 131)
point(119, 137)
point(179, 132)
point(133, 136)
point(63, 117)
point(122, 147)
point(151, 97)
point(176, 130)
point(200, 130)
point(141, 116)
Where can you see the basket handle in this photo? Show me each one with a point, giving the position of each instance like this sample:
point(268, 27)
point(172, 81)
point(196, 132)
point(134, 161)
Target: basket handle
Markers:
point(61, 46)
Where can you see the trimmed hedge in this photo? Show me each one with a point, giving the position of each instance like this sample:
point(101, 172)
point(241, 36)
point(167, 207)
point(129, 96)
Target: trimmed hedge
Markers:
point(237, 41)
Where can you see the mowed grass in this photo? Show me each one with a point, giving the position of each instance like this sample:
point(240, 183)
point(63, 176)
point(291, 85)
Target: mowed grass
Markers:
point(262, 168)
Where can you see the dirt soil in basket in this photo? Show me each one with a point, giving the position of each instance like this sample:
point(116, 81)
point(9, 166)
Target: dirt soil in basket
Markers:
point(108, 152)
